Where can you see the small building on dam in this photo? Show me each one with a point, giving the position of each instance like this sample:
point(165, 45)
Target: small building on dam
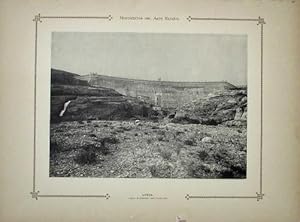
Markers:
point(167, 94)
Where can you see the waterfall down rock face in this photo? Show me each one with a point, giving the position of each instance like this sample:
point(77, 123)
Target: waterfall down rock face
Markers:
point(65, 108)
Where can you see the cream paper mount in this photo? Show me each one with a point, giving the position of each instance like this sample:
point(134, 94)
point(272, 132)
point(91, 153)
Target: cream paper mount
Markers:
point(260, 22)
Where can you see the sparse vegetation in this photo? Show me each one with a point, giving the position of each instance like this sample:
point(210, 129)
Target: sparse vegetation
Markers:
point(110, 139)
point(149, 141)
point(126, 154)
point(153, 170)
point(85, 157)
point(160, 138)
point(189, 142)
point(203, 155)
point(198, 169)
point(166, 154)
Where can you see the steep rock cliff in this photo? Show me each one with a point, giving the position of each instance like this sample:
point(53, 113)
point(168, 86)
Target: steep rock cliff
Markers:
point(90, 102)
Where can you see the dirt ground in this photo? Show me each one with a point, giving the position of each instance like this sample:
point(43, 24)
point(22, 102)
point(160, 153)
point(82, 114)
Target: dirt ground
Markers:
point(127, 149)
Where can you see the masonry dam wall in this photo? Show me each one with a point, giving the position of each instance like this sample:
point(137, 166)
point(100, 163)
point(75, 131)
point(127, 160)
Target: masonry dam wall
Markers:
point(167, 94)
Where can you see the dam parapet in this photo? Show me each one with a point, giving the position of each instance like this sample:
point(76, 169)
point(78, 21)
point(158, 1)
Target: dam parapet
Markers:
point(167, 94)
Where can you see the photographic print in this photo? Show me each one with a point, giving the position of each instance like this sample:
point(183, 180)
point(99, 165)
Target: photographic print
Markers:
point(148, 105)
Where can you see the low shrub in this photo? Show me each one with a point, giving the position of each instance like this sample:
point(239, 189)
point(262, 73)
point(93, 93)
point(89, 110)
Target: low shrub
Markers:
point(119, 130)
point(189, 142)
point(209, 121)
point(221, 155)
point(153, 170)
point(110, 139)
point(166, 154)
point(160, 138)
point(125, 128)
point(203, 155)
point(162, 170)
point(196, 169)
point(226, 173)
point(103, 148)
point(85, 157)
point(54, 147)
point(178, 133)
point(161, 132)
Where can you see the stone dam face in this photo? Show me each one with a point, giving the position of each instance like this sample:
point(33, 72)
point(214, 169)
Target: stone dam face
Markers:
point(165, 94)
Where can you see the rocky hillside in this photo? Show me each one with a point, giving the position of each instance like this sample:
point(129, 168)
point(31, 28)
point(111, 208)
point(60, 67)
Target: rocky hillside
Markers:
point(227, 107)
point(87, 102)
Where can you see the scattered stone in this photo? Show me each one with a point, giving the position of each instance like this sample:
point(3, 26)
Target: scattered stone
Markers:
point(233, 101)
point(207, 140)
point(180, 115)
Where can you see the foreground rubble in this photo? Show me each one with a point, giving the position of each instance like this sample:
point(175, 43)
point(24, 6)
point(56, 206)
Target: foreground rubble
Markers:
point(144, 149)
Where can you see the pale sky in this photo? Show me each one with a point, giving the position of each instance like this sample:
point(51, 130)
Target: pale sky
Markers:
point(171, 57)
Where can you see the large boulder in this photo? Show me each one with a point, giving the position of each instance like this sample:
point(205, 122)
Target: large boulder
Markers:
point(180, 115)
point(238, 113)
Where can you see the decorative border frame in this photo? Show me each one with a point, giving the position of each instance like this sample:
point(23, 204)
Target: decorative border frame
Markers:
point(259, 195)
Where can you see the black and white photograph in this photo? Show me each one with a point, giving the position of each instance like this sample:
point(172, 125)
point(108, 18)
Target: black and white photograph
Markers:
point(148, 105)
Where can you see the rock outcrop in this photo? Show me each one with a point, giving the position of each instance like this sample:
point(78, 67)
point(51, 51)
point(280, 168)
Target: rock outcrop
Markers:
point(218, 108)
